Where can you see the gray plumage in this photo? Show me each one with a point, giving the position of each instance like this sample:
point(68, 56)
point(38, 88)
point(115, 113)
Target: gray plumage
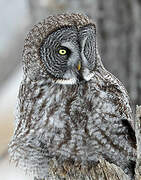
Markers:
point(70, 108)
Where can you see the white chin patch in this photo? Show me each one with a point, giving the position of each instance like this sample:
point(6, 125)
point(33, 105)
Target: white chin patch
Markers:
point(87, 75)
point(68, 78)
point(66, 81)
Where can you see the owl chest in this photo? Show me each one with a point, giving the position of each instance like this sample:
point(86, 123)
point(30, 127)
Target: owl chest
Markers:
point(73, 111)
point(72, 122)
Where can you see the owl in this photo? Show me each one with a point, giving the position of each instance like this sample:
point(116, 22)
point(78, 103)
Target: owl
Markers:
point(69, 107)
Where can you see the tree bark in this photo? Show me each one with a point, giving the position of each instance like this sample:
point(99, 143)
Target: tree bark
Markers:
point(138, 138)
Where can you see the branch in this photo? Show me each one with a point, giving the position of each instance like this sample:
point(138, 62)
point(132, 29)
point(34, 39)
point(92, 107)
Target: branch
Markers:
point(138, 138)
point(103, 171)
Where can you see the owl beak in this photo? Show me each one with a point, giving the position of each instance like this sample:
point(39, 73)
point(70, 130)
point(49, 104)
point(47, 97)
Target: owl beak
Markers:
point(79, 66)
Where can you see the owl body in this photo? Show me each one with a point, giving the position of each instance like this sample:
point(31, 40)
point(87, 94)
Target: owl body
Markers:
point(81, 117)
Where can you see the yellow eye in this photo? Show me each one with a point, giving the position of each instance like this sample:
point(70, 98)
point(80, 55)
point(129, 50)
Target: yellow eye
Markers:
point(62, 51)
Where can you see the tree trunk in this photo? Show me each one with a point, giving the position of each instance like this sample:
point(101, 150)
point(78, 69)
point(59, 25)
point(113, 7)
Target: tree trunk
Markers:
point(138, 137)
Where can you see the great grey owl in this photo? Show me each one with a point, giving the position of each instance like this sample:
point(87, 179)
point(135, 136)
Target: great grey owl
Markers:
point(70, 108)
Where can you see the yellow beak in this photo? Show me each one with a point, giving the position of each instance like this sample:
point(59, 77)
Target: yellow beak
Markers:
point(79, 66)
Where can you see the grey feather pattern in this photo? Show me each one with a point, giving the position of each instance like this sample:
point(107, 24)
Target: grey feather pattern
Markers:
point(79, 122)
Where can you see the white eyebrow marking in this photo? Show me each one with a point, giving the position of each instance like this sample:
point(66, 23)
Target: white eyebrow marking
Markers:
point(83, 43)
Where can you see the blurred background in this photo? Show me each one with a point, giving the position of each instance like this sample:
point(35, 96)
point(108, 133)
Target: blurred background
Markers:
point(119, 42)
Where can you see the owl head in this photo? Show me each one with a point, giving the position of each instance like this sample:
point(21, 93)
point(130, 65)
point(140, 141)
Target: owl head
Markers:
point(61, 48)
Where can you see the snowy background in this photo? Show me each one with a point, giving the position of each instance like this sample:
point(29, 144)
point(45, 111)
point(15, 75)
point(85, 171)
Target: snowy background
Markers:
point(14, 18)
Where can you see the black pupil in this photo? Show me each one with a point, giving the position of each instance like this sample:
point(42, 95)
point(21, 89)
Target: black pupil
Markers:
point(68, 52)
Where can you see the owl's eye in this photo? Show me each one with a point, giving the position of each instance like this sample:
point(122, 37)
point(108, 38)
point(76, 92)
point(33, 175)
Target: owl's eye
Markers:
point(62, 52)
